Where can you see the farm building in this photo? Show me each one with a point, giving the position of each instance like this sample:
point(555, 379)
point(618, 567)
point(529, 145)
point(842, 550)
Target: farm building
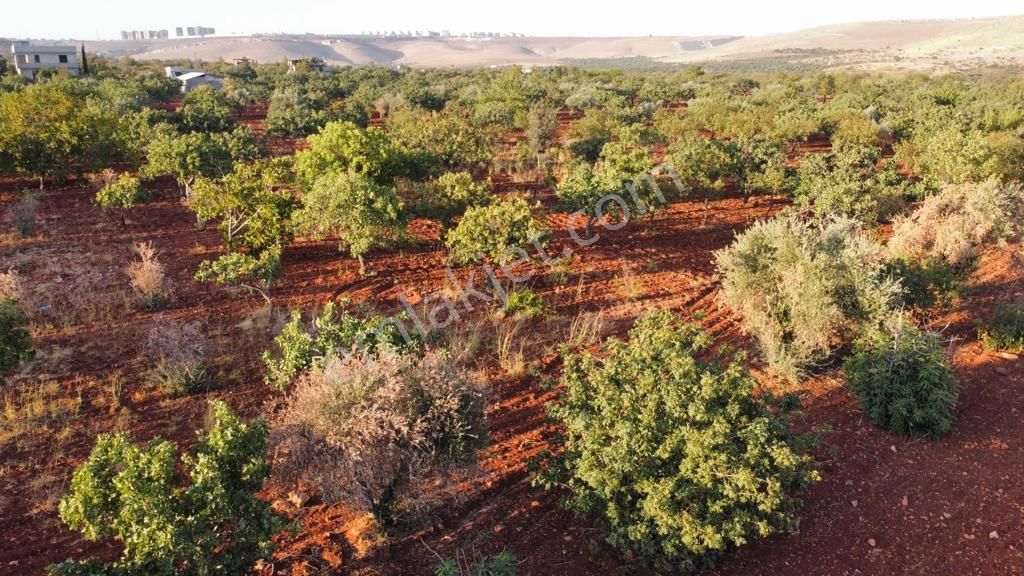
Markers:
point(191, 79)
point(314, 64)
point(29, 59)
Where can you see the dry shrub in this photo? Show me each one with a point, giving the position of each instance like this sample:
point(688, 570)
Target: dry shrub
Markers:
point(371, 433)
point(11, 286)
point(22, 216)
point(586, 329)
point(950, 227)
point(61, 287)
point(804, 288)
point(85, 297)
point(148, 279)
point(182, 352)
point(510, 347)
point(629, 287)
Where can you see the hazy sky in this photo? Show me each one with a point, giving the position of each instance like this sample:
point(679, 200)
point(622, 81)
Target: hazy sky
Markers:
point(92, 20)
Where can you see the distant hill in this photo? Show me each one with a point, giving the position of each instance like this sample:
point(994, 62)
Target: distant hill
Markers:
point(914, 45)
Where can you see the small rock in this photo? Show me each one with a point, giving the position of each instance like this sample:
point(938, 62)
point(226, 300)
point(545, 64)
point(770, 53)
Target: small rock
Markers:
point(904, 501)
point(1002, 371)
point(947, 515)
point(993, 535)
point(498, 528)
point(567, 538)
point(871, 542)
point(1008, 356)
point(853, 503)
point(968, 536)
point(893, 448)
point(534, 504)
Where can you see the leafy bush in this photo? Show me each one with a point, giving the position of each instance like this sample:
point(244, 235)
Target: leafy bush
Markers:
point(15, 342)
point(299, 348)
point(251, 204)
point(803, 288)
point(1004, 330)
point(704, 165)
point(361, 213)
point(503, 564)
point(847, 182)
point(445, 141)
point(679, 458)
point(950, 227)
point(211, 523)
point(182, 353)
point(853, 128)
point(296, 112)
point(499, 231)
point(525, 304)
point(903, 380)
point(926, 284)
point(541, 128)
point(242, 269)
point(362, 429)
point(588, 135)
point(454, 192)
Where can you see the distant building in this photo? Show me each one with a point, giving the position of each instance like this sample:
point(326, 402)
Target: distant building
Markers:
point(191, 78)
point(179, 32)
point(315, 64)
point(243, 61)
point(29, 59)
point(199, 31)
point(144, 35)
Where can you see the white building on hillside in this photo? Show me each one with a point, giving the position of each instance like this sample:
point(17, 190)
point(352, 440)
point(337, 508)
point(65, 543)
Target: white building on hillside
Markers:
point(29, 59)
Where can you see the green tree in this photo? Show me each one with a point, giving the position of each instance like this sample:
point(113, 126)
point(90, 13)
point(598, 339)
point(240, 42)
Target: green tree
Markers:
point(678, 457)
point(344, 147)
point(445, 141)
point(205, 109)
point(293, 112)
point(501, 231)
point(44, 130)
point(362, 213)
point(187, 157)
point(252, 206)
point(121, 192)
point(210, 523)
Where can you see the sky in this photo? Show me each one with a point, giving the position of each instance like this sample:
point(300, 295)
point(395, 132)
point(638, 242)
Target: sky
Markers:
point(103, 20)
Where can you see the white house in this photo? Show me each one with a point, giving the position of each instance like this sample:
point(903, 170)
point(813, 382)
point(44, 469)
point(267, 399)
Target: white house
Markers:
point(191, 79)
point(29, 59)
